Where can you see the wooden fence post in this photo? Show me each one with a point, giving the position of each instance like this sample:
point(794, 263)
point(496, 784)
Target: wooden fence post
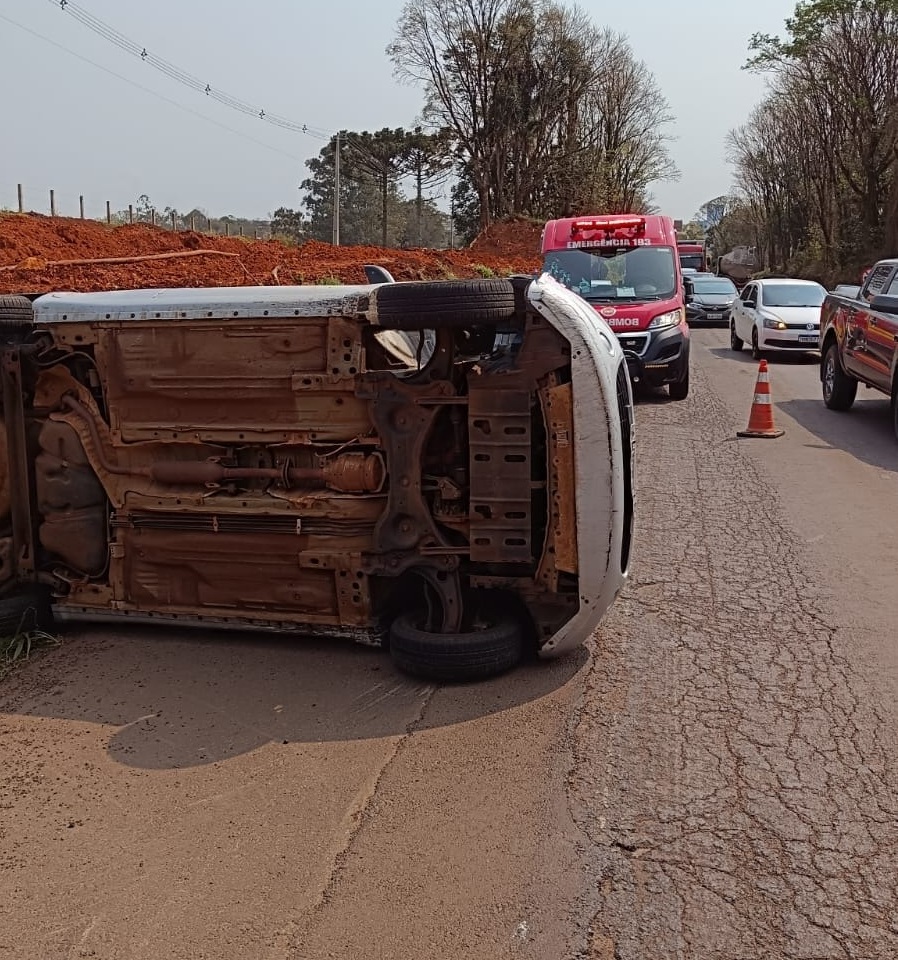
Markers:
point(227, 228)
point(173, 224)
point(52, 203)
point(130, 213)
point(81, 205)
point(192, 222)
point(153, 216)
point(108, 212)
point(21, 200)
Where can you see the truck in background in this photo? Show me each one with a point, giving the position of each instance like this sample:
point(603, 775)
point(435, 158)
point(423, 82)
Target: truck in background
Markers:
point(859, 340)
point(694, 255)
point(627, 268)
point(739, 265)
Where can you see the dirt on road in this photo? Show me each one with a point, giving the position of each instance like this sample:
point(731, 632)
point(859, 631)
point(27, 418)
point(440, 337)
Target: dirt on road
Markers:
point(716, 778)
point(35, 252)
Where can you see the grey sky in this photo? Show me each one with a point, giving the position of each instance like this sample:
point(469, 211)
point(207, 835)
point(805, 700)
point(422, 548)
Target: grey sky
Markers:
point(70, 126)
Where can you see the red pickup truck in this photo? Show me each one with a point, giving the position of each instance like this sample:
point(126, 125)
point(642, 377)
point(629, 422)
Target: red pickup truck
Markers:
point(859, 340)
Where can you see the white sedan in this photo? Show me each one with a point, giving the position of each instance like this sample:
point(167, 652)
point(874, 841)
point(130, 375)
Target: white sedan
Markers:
point(777, 315)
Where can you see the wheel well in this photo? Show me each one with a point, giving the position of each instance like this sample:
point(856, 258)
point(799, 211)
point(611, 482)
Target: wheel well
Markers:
point(828, 341)
point(411, 592)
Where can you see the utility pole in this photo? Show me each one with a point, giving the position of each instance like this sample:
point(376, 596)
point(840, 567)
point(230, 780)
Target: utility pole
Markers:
point(336, 239)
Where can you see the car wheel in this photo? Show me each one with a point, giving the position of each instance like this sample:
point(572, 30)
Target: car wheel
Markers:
point(23, 612)
point(475, 655)
point(756, 351)
point(680, 389)
point(16, 318)
point(444, 303)
point(839, 388)
point(735, 343)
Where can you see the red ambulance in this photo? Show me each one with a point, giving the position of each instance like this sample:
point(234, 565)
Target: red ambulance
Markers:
point(626, 266)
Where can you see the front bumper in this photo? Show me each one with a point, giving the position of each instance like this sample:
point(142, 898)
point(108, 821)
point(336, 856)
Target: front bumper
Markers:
point(656, 357)
point(803, 339)
point(603, 444)
point(699, 314)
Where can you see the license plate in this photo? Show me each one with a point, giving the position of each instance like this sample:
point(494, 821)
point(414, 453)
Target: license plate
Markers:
point(804, 338)
point(715, 316)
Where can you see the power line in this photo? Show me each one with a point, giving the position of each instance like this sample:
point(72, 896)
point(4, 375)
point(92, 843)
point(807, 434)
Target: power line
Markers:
point(153, 93)
point(181, 76)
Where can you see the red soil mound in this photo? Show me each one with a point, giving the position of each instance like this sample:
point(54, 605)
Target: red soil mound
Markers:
point(517, 237)
point(32, 245)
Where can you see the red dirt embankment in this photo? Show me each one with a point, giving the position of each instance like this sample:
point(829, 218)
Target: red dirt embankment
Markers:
point(31, 246)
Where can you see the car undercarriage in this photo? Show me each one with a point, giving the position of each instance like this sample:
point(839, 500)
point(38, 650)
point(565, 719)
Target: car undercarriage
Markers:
point(292, 459)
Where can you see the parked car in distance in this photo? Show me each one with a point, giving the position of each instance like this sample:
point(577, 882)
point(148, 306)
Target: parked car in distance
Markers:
point(444, 467)
point(709, 299)
point(777, 315)
point(859, 340)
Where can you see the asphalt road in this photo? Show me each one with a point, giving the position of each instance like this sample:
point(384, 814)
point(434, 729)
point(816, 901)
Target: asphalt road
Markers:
point(716, 777)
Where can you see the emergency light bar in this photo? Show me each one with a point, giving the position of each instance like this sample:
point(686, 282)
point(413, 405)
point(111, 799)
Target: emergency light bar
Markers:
point(609, 224)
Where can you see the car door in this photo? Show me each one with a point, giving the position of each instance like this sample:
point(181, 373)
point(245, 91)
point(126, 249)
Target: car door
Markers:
point(882, 330)
point(864, 336)
point(748, 303)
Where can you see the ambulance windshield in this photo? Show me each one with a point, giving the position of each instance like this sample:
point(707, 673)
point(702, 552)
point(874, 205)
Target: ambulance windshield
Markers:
point(615, 273)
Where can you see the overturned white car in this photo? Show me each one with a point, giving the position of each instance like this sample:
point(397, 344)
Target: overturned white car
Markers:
point(443, 467)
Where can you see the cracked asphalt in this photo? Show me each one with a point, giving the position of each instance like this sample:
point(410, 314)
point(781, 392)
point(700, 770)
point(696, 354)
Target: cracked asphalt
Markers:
point(715, 777)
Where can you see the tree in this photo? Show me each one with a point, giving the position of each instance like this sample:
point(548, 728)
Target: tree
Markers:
point(622, 143)
point(691, 231)
point(428, 162)
point(712, 212)
point(288, 225)
point(535, 97)
point(383, 157)
point(143, 209)
point(361, 204)
point(818, 160)
point(425, 225)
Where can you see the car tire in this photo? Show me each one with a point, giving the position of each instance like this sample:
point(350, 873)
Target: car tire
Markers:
point(16, 318)
point(680, 389)
point(24, 611)
point(839, 387)
point(756, 351)
point(444, 303)
point(456, 657)
point(735, 343)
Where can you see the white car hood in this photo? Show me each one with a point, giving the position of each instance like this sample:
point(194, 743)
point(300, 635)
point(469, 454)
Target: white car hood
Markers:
point(794, 314)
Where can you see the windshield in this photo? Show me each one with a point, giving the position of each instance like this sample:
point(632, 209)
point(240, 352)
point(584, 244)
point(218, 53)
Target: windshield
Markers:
point(695, 261)
point(701, 287)
point(793, 295)
point(633, 273)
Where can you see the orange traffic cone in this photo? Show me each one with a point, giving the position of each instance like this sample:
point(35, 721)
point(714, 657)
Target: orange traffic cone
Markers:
point(760, 420)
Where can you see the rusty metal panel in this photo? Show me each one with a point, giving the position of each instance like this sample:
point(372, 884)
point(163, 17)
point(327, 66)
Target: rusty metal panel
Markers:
point(225, 572)
point(169, 383)
point(562, 479)
point(499, 437)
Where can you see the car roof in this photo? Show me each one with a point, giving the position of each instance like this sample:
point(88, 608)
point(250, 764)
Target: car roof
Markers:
point(773, 281)
point(192, 303)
